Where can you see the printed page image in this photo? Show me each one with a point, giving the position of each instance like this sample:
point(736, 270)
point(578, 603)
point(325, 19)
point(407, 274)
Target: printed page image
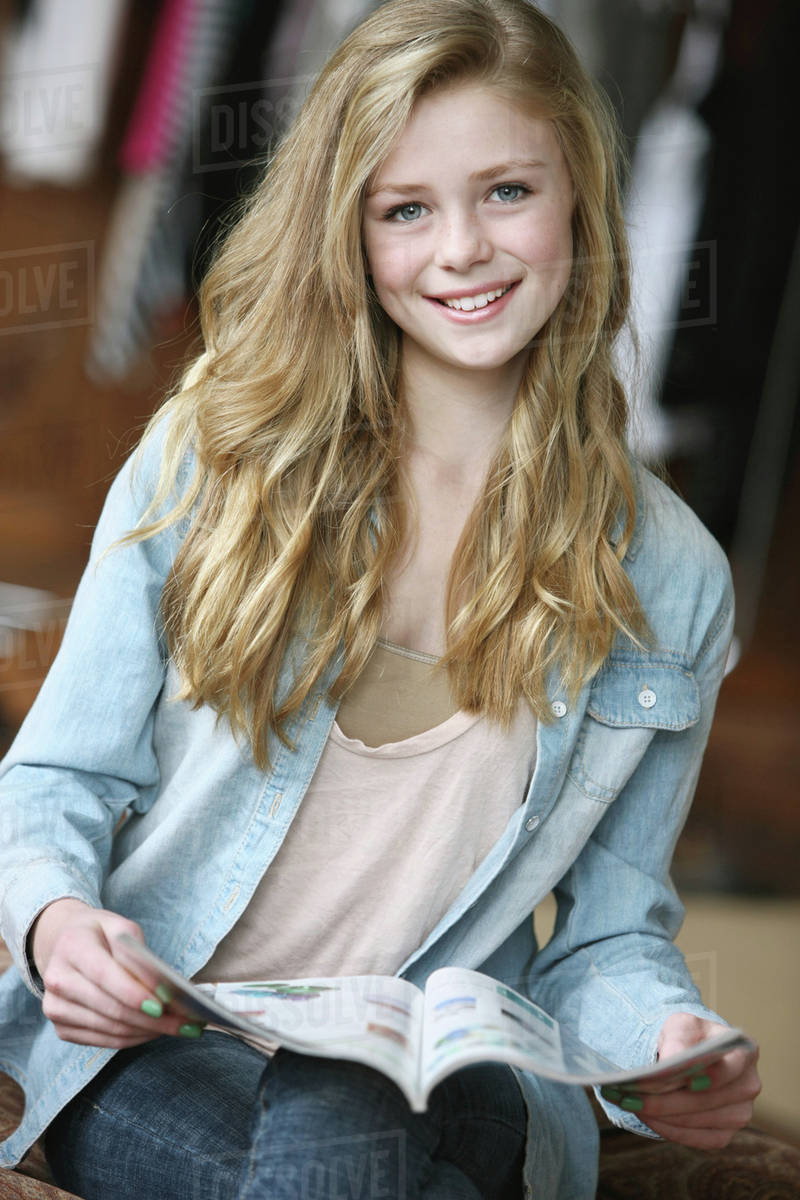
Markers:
point(378, 1016)
point(470, 1017)
point(372, 1019)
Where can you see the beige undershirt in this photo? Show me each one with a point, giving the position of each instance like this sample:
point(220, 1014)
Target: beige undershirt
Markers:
point(408, 797)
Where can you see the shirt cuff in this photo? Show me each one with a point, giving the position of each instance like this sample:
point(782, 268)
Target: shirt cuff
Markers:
point(628, 1120)
point(39, 885)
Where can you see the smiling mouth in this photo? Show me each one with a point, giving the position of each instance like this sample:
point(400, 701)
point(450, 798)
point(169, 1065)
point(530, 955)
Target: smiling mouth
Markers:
point(481, 300)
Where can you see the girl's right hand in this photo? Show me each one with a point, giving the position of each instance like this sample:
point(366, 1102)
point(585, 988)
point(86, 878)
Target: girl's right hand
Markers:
point(88, 995)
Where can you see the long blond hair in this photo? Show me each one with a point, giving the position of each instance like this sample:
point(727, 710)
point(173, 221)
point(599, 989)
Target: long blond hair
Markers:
point(296, 425)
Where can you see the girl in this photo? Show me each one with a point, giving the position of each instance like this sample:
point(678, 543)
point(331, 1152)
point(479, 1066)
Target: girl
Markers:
point(384, 636)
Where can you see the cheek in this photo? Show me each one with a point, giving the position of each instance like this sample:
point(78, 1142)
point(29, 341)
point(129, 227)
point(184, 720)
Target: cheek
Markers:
point(548, 251)
point(393, 263)
point(549, 246)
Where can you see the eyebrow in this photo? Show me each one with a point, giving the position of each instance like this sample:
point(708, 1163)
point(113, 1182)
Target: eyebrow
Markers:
point(505, 168)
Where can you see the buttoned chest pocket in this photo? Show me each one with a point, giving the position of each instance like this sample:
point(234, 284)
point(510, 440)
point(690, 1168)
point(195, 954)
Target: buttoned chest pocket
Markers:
point(629, 702)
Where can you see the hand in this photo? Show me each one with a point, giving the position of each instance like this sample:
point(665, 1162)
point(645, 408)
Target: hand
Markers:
point(88, 995)
point(707, 1110)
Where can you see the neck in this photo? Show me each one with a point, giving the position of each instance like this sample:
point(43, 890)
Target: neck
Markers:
point(458, 416)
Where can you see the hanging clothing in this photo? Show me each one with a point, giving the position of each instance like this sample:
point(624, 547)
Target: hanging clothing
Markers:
point(57, 66)
point(153, 221)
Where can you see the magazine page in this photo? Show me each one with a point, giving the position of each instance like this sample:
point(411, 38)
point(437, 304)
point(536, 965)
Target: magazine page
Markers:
point(374, 1019)
point(470, 1017)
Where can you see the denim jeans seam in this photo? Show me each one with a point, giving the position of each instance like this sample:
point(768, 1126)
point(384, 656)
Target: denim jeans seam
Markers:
point(251, 1168)
point(124, 1119)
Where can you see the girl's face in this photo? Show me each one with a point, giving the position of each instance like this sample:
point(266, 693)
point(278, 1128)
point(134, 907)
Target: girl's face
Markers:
point(467, 229)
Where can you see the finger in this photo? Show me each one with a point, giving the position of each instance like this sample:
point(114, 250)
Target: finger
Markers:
point(68, 987)
point(95, 1029)
point(724, 1069)
point(67, 1013)
point(732, 1066)
point(656, 1087)
point(732, 1116)
point(86, 1037)
point(682, 1104)
point(693, 1100)
point(701, 1138)
point(84, 967)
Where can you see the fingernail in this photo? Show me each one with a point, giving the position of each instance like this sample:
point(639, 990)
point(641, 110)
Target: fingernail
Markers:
point(700, 1083)
point(163, 993)
point(190, 1031)
point(611, 1093)
point(632, 1104)
point(153, 1008)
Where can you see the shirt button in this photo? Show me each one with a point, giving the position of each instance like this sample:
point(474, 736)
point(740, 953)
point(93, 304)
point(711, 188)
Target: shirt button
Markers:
point(559, 708)
point(532, 823)
point(647, 698)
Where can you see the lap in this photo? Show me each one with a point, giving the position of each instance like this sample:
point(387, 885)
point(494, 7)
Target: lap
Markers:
point(167, 1119)
point(212, 1119)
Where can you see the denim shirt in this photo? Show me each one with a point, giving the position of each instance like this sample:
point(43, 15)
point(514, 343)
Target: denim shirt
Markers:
point(615, 772)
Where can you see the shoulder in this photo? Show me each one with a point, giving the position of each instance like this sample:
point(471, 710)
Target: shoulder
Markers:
point(163, 459)
point(165, 453)
point(666, 525)
point(163, 466)
point(152, 493)
point(680, 572)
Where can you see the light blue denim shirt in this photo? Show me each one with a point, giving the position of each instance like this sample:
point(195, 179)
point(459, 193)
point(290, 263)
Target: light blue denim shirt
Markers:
point(614, 776)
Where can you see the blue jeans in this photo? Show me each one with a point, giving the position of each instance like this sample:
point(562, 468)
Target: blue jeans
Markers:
point(213, 1120)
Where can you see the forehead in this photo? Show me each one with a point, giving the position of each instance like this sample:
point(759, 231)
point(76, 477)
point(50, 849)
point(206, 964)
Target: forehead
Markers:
point(461, 123)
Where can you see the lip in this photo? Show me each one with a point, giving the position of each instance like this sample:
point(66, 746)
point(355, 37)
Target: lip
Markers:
point(459, 317)
point(464, 293)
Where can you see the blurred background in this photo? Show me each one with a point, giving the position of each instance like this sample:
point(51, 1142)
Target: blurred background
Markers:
point(127, 130)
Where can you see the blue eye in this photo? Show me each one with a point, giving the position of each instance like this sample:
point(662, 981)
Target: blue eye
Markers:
point(508, 192)
point(405, 213)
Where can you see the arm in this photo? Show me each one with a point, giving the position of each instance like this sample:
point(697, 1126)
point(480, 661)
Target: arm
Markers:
point(611, 970)
point(84, 754)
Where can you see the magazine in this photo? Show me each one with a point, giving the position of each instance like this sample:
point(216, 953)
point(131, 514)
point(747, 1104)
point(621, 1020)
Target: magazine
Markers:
point(415, 1037)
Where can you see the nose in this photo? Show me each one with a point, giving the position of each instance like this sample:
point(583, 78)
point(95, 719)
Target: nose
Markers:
point(462, 241)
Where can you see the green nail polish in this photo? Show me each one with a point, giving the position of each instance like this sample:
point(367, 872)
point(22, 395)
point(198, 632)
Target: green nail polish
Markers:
point(632, 1104)
point(163, 993)
point(611, 1093)
point(190, 1031)
point(700, 1083)
point(153, 1008)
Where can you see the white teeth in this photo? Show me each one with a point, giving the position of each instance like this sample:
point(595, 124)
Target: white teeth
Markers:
point(468, 303)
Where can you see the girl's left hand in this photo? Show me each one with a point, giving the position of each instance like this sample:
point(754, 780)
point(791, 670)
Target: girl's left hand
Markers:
point(708, 1110)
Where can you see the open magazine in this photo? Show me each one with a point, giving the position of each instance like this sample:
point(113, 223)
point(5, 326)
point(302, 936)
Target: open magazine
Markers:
point(416, 1038)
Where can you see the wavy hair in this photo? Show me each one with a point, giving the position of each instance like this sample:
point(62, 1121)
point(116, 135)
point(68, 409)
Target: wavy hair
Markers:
point(297, 428)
